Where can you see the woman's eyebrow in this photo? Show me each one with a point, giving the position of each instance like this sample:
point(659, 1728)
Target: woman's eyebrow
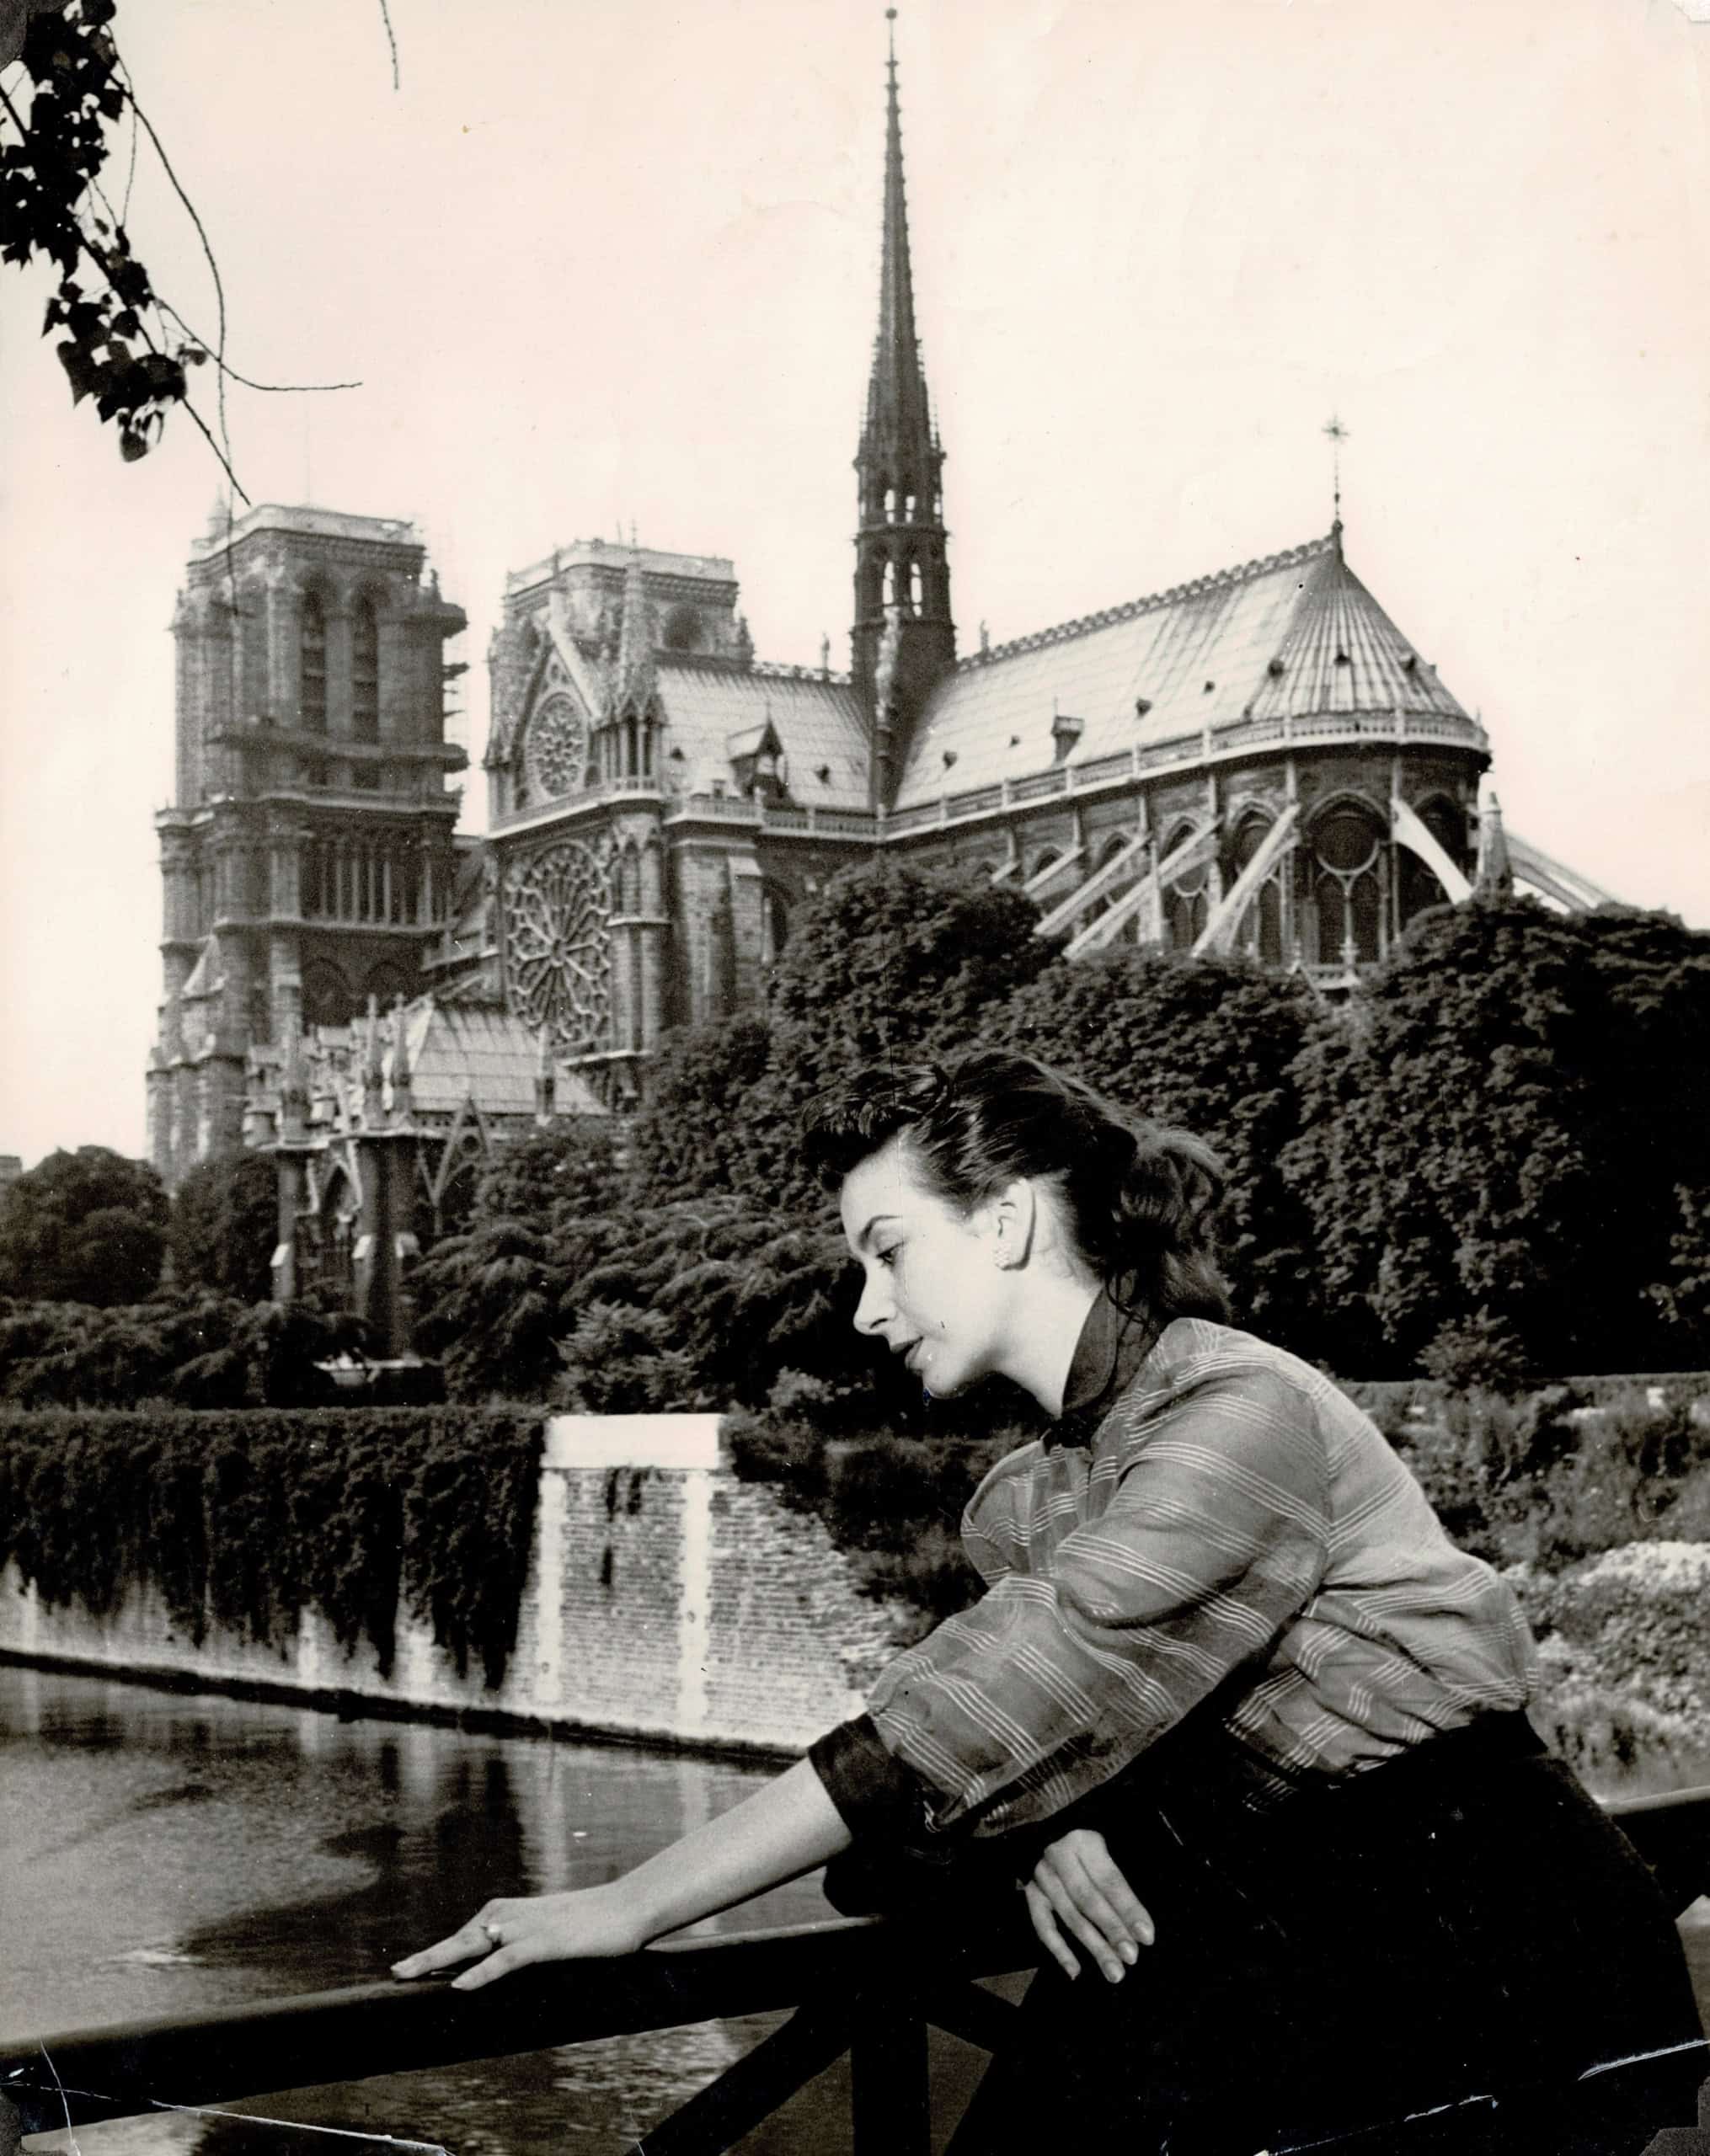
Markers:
point(861, 1240)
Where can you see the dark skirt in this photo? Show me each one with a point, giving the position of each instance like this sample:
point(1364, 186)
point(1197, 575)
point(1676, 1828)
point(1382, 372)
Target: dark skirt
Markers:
point(1449, 1952)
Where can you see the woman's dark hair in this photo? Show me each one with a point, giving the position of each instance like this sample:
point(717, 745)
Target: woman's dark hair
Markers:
point(1140, 1198)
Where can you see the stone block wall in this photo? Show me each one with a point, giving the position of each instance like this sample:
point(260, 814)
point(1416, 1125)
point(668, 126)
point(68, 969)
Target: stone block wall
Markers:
point(665, 1602)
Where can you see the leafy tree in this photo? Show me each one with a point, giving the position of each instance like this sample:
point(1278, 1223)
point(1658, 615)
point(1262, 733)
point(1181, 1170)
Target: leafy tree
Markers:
point(697, 1133)
point(489, 1305)
point(574, 1166)
point(887, 960)
point(1498, 1121)
point(82, 1227)
point(119, 343)
point(893, 961)
point(224, 1226)
point(1207, 1044)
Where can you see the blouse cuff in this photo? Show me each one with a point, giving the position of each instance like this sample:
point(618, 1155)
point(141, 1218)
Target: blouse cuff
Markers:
point(874, 1793)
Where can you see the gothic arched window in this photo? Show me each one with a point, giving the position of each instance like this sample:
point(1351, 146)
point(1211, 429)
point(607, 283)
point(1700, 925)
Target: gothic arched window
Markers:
point(914, 587)
point(311, 663)
point(1187, 904)
point(1347, 885)
point(365, 671)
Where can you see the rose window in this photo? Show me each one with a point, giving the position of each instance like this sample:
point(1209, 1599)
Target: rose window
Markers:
point(554, 750)
point(557, 945)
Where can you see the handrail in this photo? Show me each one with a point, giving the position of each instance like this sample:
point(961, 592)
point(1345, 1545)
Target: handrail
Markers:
point(865, 1985)
point(846, 1974)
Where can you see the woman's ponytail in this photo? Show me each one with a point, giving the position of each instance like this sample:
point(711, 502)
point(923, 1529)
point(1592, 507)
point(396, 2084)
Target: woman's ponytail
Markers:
point(1145, 1210)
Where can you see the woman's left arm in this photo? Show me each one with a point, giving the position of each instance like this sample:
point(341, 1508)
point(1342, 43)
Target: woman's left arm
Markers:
point(783, 1830)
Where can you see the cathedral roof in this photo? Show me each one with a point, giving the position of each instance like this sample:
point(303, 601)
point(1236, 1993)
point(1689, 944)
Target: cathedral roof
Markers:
point(1295, 635)
point(708, 704)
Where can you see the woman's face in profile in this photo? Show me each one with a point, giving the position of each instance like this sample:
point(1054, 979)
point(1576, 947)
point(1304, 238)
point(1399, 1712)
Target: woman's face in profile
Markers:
point(934, 1290)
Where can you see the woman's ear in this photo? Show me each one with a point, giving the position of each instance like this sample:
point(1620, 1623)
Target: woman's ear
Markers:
point(1014, 1212)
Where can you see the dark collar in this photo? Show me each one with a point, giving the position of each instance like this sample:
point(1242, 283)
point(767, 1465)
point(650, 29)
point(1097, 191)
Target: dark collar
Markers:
point(1114, 1343)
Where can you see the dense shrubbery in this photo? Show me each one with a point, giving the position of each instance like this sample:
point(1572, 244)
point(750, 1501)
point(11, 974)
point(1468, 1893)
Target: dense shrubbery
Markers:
point(1503, 1152)
point(1547, 1479)
point(346, 1512)
point(194, 1351)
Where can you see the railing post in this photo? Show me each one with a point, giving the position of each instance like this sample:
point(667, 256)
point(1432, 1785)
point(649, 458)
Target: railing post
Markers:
point(889, 2095)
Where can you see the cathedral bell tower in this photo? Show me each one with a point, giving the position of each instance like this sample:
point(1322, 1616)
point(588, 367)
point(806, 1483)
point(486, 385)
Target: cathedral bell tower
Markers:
point(904, 640)
point(306, 857)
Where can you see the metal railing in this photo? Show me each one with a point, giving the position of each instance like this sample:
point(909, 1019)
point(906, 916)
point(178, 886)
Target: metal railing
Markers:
point(867, 1986)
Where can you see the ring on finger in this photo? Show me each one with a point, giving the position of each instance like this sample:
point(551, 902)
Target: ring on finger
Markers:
point(494, 1931)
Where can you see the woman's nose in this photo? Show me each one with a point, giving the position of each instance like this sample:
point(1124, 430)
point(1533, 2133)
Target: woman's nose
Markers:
point(875, 1305)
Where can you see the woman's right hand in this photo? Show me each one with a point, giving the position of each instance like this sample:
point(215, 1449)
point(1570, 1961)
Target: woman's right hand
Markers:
point(1076, 1885)
point(508, 1935)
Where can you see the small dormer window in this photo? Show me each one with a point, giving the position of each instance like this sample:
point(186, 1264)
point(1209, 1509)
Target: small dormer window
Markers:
point(1342, 659)
point(1142, 705)
point(1410, 665)
point(823, 774)
point(1065, 732)
point(1275, 669)
point(949, 758)
point(1209, 685)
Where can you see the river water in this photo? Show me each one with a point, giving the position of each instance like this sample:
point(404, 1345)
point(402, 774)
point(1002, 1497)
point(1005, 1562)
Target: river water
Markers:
point(161, 1853)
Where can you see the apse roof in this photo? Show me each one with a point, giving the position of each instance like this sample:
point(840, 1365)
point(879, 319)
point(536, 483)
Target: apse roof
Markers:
point(470, 1051)
point(1295, 632)
point(708, 703)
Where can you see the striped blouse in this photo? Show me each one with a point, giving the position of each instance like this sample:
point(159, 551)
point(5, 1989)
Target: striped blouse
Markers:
point(1221, 1508)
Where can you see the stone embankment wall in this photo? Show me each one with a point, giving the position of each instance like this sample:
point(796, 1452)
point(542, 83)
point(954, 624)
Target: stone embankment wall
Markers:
point(666, 1601)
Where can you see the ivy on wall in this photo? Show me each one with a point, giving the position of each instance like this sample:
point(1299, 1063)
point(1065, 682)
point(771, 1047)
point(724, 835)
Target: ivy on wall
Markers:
point(245, 1520)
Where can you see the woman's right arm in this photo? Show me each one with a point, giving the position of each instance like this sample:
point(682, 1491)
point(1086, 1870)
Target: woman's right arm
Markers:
point(784, 1829)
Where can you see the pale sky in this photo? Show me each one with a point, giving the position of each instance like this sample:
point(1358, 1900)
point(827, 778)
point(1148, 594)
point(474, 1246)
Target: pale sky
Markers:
point(599, 261)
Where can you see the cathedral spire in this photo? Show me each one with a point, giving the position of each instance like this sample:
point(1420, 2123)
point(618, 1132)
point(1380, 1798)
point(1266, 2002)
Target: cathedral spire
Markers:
point(903, 579)
point(896, 395)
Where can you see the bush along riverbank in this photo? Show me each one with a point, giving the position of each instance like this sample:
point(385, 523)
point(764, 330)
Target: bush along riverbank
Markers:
point(244, 1520)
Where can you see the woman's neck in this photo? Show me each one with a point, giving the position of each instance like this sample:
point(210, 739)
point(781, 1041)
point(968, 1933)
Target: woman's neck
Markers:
point(1051, 1309)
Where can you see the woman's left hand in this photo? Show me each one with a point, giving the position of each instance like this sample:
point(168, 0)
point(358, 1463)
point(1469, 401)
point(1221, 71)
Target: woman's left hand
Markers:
point(1075, 1885)
point(508, 1934)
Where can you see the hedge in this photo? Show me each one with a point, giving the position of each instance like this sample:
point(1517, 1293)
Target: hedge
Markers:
point(246, 1519)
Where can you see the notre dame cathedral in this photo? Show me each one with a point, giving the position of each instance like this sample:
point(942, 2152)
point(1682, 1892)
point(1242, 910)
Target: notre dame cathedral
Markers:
point(1258, 760)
